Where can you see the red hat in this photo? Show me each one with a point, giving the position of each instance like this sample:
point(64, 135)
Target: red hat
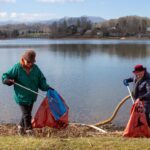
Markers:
point(138, 68)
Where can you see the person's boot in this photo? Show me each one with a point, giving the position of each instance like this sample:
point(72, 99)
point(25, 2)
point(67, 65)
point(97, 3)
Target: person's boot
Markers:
point(29, 132)
point(20, 130)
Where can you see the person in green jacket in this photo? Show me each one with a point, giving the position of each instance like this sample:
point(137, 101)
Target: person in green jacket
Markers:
point(28, 74)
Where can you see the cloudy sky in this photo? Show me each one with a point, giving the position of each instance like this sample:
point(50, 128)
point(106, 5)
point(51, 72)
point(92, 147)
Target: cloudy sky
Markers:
point(31, 10)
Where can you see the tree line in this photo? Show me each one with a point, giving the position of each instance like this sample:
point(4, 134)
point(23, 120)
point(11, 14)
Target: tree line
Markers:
point(71, 26)
point(66, 27)
point(126, 26)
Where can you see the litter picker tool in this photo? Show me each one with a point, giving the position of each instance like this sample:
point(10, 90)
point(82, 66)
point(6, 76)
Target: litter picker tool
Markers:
point(29, 89)
point(130, 94)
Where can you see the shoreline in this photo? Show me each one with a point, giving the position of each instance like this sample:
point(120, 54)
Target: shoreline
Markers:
point(70, 131)
point(82, 38)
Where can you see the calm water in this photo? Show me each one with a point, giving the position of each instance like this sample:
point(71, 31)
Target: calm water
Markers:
point(87, 73)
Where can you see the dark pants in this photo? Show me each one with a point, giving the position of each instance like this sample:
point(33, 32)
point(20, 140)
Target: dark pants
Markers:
point(148, 118)
point(25, 121)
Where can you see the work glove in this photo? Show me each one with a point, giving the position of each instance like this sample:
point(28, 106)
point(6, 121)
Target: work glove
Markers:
point(50, 88)
point(9, 82)
point(125, 82)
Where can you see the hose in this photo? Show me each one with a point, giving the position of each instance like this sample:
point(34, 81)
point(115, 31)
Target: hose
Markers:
point(114, 113)
point(94, 126)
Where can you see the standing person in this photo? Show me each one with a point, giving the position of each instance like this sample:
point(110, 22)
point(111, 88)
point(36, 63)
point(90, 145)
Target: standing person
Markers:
point(141, 87)
point(28, 74)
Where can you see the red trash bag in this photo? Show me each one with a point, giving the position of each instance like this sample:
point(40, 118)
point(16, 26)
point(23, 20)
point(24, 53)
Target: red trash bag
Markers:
point(45, 116)
point(137, 125)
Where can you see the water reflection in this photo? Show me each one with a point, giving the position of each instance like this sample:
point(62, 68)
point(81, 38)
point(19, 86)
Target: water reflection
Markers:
point(127, 51)
point(123, 51)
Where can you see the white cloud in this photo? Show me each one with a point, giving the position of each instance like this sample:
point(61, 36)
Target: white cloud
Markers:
point(7, 1)
point(26, 16)
point(60, 1)
point(3, 14)
point(13, 15)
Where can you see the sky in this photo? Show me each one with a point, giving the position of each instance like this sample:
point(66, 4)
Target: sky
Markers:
point(35, 10)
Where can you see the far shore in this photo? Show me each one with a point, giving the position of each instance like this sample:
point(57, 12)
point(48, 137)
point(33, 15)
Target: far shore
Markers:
point(83, 38)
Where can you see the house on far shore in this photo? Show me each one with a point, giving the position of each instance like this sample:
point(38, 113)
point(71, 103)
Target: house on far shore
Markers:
point(148, 29)
point(100, 34)
point(147, 34)
point(114, 32)
point(72, 29)
point(88, 33)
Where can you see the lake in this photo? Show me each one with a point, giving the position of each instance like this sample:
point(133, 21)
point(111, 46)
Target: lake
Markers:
point(87, 73)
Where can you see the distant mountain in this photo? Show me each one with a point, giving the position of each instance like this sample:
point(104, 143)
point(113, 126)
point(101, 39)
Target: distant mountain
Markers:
point(70, 20)
point(96, 19)
point(48, 22)
point(9, 22)
point(73, 20)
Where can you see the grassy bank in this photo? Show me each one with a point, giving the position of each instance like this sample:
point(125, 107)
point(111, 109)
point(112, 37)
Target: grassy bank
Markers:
point(74, 137)
point(106, 142)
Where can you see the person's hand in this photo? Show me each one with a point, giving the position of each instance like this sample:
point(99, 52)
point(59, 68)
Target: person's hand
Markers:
point(9, 82)
point(141, 98)
point(50, 88)
point(125, 82)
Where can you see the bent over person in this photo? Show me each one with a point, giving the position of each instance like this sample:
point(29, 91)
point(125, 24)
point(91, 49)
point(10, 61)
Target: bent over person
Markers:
point(28, 74)
point(141, 87)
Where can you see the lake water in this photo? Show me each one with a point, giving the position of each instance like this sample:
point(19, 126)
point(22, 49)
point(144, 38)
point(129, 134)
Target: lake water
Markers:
point(87, 73)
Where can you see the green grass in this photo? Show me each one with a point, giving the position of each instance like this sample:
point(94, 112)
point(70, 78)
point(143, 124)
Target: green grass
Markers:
point(86, 143)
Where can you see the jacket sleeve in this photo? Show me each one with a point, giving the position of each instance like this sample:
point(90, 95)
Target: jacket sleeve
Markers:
point(42, 82)
point(10, 74)
point(130, 80)
point(146, 96)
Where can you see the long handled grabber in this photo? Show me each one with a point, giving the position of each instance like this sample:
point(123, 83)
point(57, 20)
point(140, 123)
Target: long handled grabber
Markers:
point(130, 94)
point(29, 89)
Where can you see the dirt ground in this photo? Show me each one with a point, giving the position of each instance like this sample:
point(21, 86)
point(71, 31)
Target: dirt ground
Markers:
point(70, 131)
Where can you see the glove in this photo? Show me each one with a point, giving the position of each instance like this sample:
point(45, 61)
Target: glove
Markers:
point(9, 82)
point(50, 88)
point(125, 82)
point(141, 98)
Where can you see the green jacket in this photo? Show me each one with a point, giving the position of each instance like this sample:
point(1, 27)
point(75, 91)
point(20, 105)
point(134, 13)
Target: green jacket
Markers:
point(34, 80)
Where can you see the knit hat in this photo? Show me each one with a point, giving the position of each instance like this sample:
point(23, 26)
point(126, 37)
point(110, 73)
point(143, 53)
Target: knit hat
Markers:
point(29, 55)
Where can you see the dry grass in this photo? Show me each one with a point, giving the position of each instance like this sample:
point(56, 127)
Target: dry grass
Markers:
point(72, 138)
point(70, 131)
